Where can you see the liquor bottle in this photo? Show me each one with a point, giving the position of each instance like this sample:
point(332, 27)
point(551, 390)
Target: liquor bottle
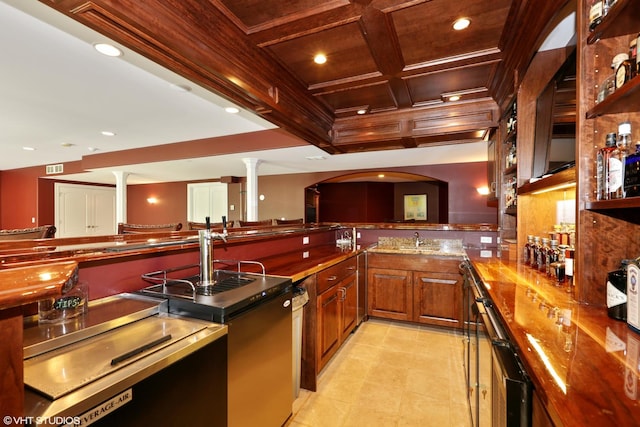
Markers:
point(623, 72)
point(535, 252)
point(633, 297)
point(617, 161)
point(602, 166)
point(553, 255)
point(632, 173)
point(569, 253)
point(617, 292)
point(542, 255)
point(526, 252)
point(596, 12)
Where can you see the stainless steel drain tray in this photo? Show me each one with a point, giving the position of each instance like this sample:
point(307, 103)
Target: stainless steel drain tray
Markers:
point(71, 367)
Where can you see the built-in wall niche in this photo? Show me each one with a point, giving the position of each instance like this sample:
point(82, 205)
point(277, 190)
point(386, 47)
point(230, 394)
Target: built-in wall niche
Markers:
point(374, 197)
point(556, 207)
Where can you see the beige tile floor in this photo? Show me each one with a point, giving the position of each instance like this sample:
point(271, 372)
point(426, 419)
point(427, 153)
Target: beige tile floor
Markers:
point(389, 374)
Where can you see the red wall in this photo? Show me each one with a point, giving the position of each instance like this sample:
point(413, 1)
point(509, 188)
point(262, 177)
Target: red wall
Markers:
point(171, 205)
point(19, 197)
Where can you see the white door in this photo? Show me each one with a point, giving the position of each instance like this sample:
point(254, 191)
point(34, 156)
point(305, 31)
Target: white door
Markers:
point(207, 199)
point(84, 210)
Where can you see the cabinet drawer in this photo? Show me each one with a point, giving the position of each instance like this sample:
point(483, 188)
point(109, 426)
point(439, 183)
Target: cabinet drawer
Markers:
point(334, 274)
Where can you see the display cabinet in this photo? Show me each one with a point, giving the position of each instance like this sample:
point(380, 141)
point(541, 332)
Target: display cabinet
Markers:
point(608, 230)
point(507, 162)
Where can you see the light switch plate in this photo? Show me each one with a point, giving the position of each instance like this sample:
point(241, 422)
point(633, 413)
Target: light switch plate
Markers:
point(305, 240)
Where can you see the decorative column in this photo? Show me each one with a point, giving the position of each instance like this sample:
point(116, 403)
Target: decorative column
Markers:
point(252, 187)
point(121, 196)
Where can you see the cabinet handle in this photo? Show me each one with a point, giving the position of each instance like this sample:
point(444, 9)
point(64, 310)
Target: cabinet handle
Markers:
point(343, 291)
point(331, 278)
point(352, 267)
point(443, 281)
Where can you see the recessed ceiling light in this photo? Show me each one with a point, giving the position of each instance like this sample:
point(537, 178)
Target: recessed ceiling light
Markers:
point(28, 149)
point(92, 149)
point(320, 58)
point(107, 49)
point(454, 98)
point(232, 110)
point(381, 175)
point(461, 24)
point(108, 133)
point(315, 157)
point(362, 111)
point(67, 144)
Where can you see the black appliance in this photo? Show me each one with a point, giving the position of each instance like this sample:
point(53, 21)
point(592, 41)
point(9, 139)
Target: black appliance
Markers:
point(257, 308)
point(509, 387)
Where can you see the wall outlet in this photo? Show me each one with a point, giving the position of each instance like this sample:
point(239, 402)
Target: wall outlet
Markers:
point(232, 207)
point(305, 240)
point(305, 254)
point(33, 220)
point(358, 235)
point(486, 239)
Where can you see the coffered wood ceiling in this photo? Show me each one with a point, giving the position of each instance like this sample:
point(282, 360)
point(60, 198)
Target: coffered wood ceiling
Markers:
point(394, 59)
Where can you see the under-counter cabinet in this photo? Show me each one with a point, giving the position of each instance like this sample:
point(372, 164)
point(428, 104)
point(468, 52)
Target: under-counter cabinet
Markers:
point(417, 288)
point(337, 306)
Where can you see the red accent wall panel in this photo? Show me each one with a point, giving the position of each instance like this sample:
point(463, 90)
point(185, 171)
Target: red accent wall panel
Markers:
point(171, 203)
point(19, 197)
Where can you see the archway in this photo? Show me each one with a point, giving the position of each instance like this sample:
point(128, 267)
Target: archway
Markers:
point(377, 196)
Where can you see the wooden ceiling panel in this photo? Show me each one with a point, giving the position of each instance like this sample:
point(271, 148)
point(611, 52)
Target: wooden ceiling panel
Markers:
point(347, 52)
point(375, 97)
point(471, 82)
point(425, 32)
point(260, 14)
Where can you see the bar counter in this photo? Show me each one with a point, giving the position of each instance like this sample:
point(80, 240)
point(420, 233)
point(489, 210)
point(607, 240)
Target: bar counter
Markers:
point(583, 364)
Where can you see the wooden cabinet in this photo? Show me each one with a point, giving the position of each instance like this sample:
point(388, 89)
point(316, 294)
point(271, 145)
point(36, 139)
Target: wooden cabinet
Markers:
point(417, 288)
point(336, 308)
point(437, 298)
point(390, 293)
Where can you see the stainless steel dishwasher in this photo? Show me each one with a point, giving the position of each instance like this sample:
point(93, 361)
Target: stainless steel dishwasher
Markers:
point(257, 310)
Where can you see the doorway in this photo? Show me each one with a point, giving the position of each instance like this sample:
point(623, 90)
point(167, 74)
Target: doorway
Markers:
point(84, 210)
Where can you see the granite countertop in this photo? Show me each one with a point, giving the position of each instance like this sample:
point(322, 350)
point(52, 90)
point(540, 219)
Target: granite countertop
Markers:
point(583, 364)
point(436, 247)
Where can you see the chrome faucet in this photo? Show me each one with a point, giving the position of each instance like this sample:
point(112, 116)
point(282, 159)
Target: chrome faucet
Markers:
point(419, 241)
point(206, 238)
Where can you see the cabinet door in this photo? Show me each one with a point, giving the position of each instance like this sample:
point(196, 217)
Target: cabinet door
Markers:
point(390, 293)
point(349, 305)
point(437, 298)
point(328, 333)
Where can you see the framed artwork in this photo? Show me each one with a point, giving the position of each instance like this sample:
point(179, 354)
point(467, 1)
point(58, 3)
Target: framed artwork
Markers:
point(415, 207)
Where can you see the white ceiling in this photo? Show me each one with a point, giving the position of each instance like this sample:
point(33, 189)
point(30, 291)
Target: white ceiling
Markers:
point(56, 90)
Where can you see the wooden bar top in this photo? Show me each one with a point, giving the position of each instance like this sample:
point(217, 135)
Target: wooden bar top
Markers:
point(583, 364)
point(24, 285)
point(302, 263)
